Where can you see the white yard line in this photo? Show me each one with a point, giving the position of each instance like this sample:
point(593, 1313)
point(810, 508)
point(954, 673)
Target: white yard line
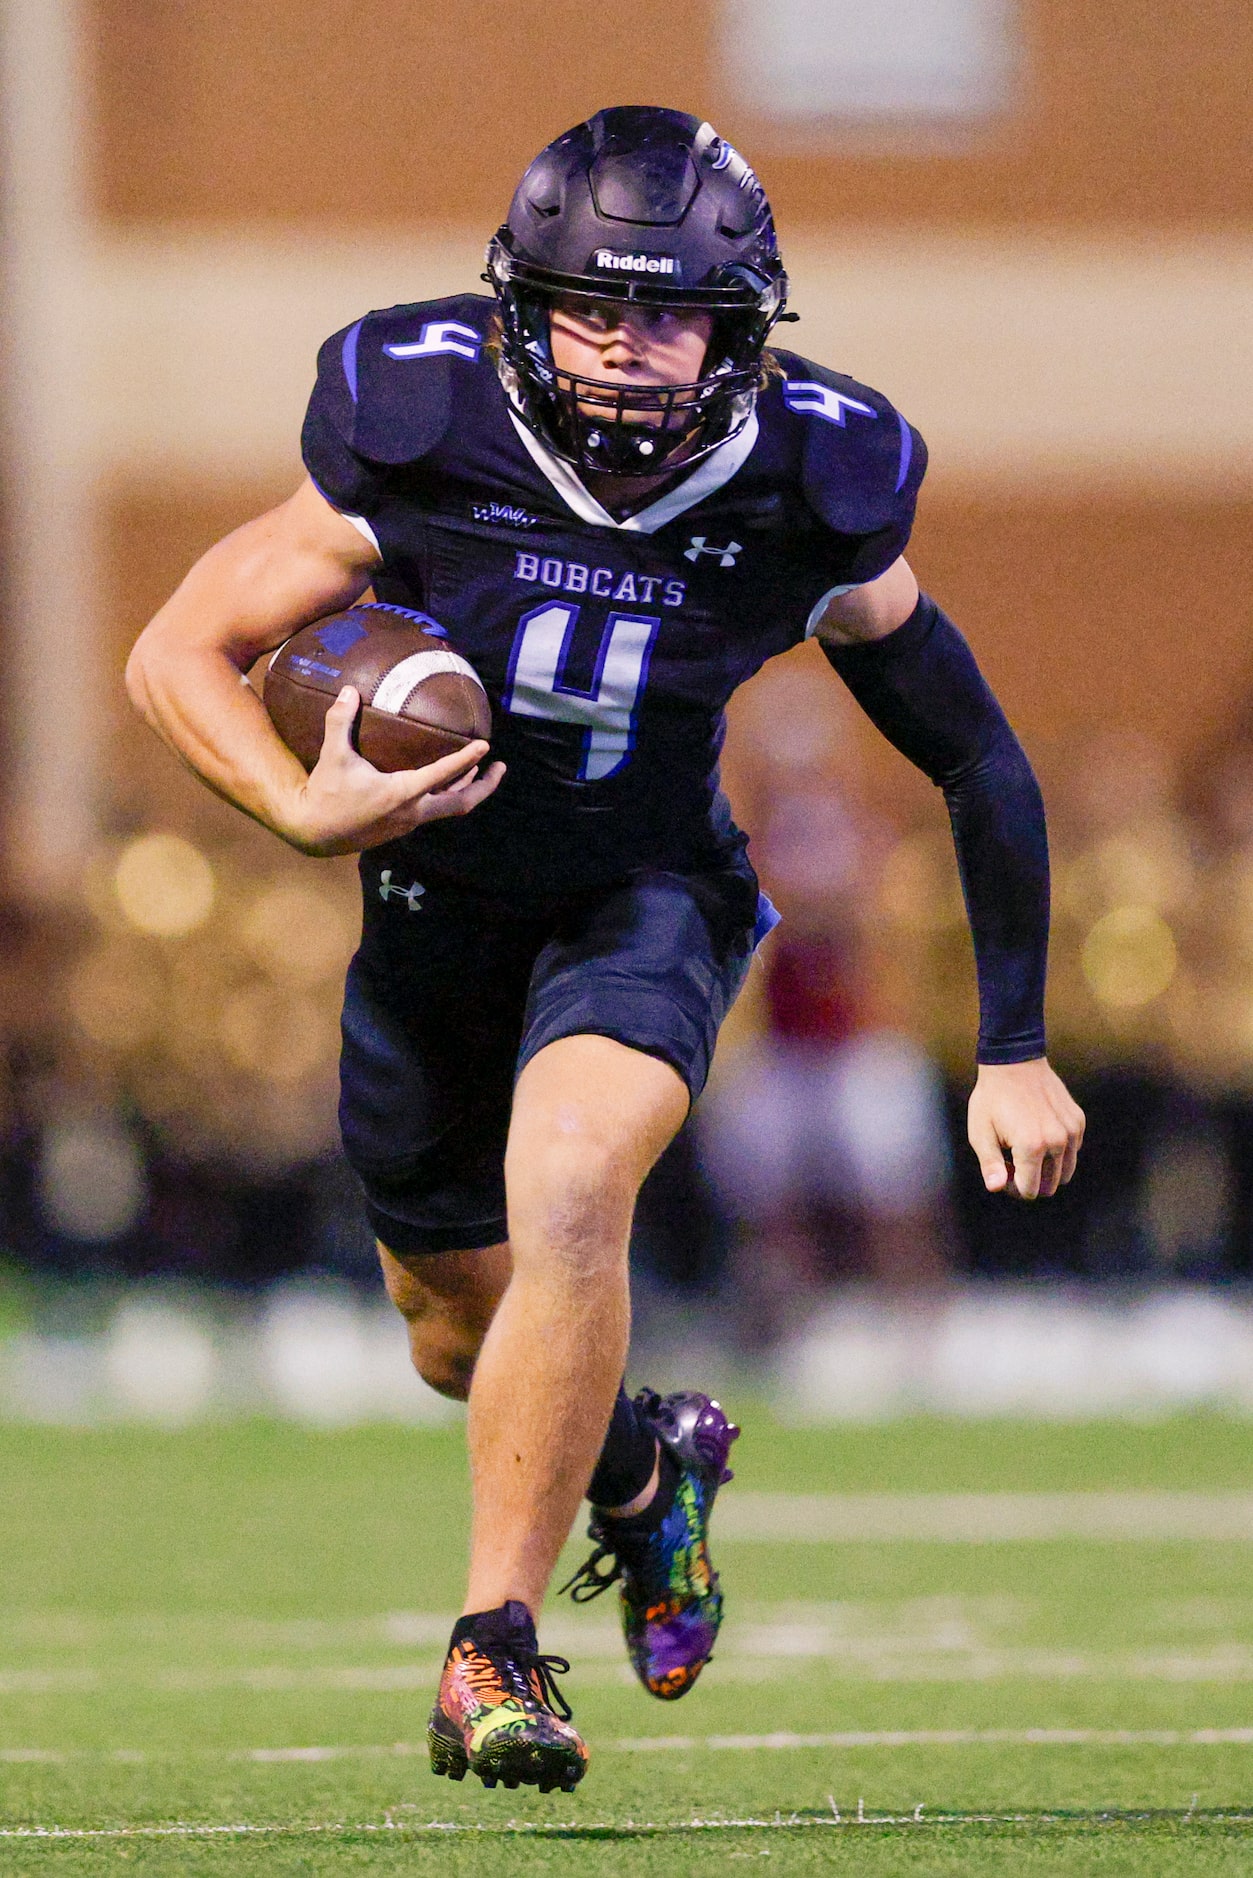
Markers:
point(227, 1630)
point(992, 1666)
point(775, 1627)
point(928, 1640)
point(778, 1742)
point(984, 1518)
point(836, 1820)
point(48, 1681)
point(892, 1665)
point(865, 1660)
point(851, 1644)
point(947, 1738)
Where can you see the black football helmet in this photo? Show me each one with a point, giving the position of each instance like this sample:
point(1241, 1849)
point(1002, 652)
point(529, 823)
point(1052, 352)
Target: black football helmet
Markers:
point(649, 206)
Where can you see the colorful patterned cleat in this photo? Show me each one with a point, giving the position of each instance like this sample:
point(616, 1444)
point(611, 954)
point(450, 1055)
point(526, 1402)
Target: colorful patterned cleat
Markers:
point(499, 1713)
point(671, 1603)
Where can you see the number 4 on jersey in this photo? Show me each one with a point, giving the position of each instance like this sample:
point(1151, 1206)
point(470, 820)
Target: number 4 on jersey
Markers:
point(608, 709)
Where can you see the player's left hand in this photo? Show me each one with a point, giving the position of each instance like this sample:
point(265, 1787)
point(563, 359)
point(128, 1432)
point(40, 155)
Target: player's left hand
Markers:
point(1025, 1127)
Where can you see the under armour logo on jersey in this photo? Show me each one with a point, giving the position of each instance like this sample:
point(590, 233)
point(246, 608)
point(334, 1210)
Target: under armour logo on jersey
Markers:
point(440, 336)
point(726, 556)
point(412, 896)
point(808, 400)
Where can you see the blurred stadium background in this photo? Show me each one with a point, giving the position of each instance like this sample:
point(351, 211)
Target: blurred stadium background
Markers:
point(1032, 225)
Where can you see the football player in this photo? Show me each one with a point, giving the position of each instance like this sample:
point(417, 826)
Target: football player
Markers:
point(618, 504)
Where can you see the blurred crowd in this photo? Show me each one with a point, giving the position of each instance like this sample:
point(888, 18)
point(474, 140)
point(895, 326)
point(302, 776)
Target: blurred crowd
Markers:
point(168, 1101)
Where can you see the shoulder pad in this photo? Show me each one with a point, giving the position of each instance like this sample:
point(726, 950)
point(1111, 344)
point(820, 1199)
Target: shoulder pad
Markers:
point(861, 462)
point(386, 383)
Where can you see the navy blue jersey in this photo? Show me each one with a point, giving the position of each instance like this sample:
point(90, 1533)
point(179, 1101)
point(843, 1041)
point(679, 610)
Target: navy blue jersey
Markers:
point(608, 648)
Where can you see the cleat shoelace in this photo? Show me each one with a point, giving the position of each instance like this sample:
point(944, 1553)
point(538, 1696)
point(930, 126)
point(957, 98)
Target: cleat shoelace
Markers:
point(530, 1674)
point(591, 1579)
point(520, 1671)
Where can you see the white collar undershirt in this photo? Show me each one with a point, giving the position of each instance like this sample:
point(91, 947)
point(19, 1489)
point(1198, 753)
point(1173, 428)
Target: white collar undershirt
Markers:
point(713, 473)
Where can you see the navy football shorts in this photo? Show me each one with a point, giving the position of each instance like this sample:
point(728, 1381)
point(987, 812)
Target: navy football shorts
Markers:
point(452, 993)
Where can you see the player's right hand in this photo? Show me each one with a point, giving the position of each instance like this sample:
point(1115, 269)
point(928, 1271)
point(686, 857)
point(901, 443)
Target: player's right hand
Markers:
point(345, 804)
point(1025, 1127)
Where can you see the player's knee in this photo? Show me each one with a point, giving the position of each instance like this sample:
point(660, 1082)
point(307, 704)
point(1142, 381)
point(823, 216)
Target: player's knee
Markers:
point(444, 1344)
point(575, 1200)
point(446, 1330)
point(444, 1356)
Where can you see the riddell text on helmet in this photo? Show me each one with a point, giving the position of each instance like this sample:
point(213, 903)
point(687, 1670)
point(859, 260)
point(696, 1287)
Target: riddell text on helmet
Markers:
point(636, 263)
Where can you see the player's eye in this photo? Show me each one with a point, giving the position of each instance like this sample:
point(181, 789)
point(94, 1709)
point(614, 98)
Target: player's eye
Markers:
point(594, 316)
point(599, 317)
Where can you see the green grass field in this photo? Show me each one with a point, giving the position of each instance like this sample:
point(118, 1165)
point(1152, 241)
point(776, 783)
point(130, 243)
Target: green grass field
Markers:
point(219, 1647)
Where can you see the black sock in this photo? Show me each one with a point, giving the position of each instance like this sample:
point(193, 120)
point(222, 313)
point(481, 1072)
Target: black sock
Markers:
point(652, 1515)
point(508, 1623)
point(627, 1459)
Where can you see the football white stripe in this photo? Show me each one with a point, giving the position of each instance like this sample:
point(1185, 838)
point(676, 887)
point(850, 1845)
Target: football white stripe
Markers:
point(395, 686)
point(363, 528)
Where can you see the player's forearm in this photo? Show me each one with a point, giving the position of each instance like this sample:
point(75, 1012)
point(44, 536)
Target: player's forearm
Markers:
point(997, 816)
point(921, 686)
point(199, 703)
point(294, 564)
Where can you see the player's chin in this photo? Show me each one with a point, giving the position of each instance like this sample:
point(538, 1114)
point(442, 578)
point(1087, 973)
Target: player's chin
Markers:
point(652, 409)
point(630, 420)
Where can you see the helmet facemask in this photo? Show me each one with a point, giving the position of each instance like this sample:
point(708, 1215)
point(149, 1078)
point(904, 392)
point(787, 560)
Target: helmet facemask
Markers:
point(630, 430)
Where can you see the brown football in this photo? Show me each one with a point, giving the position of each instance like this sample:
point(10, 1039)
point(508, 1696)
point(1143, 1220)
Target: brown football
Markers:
point(419, 699)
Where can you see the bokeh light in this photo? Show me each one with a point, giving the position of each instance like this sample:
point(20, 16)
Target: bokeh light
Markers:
point(1129, 957)
point(282, 1037)
point(297, 932)
point(113, 999)
point(1148, 868)
point(164, 886)
point(91, 1177)
point(204, 997)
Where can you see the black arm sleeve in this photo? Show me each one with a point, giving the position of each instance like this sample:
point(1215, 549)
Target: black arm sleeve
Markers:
point(921, 687)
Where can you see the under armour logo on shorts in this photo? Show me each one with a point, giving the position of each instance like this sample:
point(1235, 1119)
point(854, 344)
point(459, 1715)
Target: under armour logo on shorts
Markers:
point(412, 896)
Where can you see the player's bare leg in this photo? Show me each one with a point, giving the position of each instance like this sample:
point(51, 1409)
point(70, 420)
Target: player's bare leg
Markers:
point(448, 1300)
point(589, 1119)
point(653, 1486)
